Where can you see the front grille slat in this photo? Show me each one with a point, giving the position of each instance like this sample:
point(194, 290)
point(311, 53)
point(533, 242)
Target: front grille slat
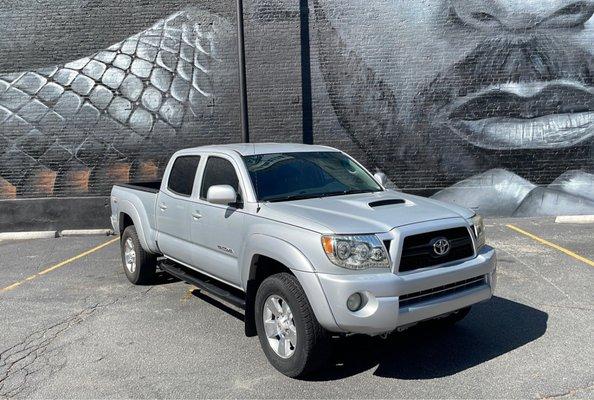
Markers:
point(417, 251)
point(425, 295)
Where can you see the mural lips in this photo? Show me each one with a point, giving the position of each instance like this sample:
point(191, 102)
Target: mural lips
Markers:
point(525, 115)
point(531, 92)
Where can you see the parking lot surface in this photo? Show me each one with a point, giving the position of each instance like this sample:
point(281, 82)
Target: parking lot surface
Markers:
point(75, 328)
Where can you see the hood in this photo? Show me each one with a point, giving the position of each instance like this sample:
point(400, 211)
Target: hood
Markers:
point(361, 213)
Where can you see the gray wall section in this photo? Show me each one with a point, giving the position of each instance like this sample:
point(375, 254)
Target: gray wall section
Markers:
point(487, 104)
point(54, 213)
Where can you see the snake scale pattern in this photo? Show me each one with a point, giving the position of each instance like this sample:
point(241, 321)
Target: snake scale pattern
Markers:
point(116, 115)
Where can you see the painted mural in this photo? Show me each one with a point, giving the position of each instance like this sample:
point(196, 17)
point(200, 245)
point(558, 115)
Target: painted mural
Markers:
point(485, 103)
point(488, 102)
point(118, 113)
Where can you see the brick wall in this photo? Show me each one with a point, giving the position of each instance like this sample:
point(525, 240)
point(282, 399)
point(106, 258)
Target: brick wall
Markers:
point(487, 103)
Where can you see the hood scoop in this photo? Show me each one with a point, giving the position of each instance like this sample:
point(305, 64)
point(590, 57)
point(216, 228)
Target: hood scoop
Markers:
point(387, 202)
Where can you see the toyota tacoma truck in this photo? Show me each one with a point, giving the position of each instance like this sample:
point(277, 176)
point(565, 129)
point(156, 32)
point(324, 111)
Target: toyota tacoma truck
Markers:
point(307, 241)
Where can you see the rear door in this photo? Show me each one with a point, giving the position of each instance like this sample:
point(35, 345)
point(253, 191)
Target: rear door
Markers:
point(173, 208)
point(217, 231)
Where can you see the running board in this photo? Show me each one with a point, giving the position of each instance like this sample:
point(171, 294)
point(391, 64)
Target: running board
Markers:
point(205, 283)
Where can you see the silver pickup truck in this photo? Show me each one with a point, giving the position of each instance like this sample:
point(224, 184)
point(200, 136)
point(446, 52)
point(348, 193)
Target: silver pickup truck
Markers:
point(307, 242)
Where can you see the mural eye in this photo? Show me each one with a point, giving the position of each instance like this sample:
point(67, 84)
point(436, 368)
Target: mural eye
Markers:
point(483, 17)
point(573, 15)
point(573, 9)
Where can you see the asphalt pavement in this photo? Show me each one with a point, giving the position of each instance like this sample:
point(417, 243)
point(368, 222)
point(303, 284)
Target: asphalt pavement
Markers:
point(72, 326)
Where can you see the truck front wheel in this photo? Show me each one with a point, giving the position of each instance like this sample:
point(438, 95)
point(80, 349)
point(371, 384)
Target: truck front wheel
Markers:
point(139, 265)
point(290, 335)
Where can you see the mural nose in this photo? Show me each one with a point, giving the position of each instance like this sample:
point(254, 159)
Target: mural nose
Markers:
point(520, 15)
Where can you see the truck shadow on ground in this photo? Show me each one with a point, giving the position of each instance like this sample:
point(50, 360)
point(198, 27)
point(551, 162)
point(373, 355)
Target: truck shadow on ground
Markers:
point(427, 351)
point(162, 278)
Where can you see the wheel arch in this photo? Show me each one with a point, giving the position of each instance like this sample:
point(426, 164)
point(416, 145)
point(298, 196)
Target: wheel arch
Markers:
point(267, 256)
point(129, 215)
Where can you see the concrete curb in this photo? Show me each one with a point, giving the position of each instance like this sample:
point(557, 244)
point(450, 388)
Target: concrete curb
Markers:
point(86, 232)
point(54, 234)
point(575, 219)
point(28, 235)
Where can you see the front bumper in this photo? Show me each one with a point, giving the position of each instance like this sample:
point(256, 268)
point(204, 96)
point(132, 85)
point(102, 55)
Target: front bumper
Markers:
point(384, 310)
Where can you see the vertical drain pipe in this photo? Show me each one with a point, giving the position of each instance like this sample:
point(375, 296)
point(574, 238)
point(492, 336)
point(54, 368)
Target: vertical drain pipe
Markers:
point(306, 97)
point(245, 127)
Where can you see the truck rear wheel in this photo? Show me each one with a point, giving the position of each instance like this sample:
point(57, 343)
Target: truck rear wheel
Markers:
point(139, 265)
point(290, 335)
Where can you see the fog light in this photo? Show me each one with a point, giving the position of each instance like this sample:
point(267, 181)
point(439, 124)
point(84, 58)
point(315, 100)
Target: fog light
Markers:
point(355, 302)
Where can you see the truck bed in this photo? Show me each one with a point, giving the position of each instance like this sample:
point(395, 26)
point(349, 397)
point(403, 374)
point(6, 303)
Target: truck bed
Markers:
point(138, 200)
point(151, 187)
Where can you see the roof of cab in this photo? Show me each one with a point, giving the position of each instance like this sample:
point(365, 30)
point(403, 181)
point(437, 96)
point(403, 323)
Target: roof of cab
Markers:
point(248, 149)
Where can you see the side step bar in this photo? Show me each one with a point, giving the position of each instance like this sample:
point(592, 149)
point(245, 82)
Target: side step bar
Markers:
point(205, 283)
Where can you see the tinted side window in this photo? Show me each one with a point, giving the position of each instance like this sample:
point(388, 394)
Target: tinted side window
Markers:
point(183, 172)
point(218, 171)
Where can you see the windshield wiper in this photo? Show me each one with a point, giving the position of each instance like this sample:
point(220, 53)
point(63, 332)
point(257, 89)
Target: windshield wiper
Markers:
point(292, 197)
point(318, 195)
point(348, 191)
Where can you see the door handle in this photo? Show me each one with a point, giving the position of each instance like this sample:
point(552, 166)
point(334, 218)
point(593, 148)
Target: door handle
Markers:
point(196, 215)
point(163, 207)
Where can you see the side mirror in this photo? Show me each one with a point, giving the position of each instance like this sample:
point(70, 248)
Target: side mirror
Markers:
point(381, 178)
point(221, 194)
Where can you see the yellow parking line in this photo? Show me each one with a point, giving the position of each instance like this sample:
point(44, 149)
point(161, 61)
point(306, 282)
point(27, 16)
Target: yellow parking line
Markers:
point(553, 245)
point(58, 265)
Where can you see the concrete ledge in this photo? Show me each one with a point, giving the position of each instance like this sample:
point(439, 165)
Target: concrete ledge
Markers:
point(28, 235)
point(54, 234)
point(575, 219)
point(86, 232)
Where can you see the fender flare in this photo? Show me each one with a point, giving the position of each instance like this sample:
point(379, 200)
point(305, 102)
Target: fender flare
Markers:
point(291, 257)
point(275, 248)
point(126, 207)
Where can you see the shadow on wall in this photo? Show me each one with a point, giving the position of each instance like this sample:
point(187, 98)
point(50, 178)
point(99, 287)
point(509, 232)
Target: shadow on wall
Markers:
point(490, 330)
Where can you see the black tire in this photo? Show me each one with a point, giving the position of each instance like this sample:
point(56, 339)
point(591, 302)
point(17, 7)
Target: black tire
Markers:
point(146, 263)
point(312, 348)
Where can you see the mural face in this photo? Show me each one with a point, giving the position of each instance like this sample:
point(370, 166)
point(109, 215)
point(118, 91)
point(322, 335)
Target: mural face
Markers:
point(440, 91)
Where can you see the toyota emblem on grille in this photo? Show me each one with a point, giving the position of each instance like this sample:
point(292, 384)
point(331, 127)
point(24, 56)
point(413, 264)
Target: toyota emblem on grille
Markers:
point(441, 246)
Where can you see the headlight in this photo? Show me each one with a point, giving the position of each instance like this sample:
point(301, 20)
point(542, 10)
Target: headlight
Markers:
point(478, 227)
point(356, 251)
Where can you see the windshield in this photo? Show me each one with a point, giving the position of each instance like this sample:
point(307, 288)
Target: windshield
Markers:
point(302, 175)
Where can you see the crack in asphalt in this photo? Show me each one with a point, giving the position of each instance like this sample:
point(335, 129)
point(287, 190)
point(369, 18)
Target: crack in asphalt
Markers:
point(32, 355)
point(567, 393)
point(28, 357)
point(585, 308)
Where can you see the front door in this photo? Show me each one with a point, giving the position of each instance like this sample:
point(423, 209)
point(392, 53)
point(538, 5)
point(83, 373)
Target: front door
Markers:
point(217, 231)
